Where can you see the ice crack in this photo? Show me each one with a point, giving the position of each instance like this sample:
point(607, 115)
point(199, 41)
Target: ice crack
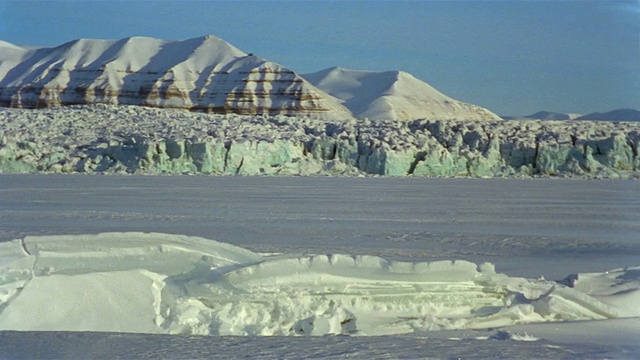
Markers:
point(24, 248)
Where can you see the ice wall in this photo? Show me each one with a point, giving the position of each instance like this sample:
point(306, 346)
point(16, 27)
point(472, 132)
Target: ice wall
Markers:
point(110, 139)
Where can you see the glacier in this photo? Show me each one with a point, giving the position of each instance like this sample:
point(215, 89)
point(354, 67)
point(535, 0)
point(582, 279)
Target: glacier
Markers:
point(132, 139)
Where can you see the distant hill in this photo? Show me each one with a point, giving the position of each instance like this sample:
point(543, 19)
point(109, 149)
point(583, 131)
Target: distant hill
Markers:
point(545, 115)
point(614, 115)
point(392, 95)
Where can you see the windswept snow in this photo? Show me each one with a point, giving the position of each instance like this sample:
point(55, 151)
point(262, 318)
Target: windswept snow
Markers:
point(159, 283)
point(311, 256)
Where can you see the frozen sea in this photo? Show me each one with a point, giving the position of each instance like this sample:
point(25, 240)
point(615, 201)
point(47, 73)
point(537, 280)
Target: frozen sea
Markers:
point(532, 228)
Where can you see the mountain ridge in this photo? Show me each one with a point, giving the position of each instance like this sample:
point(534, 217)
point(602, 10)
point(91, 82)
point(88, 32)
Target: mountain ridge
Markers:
point(208, 74)
point(205, 74)
point(623, 114)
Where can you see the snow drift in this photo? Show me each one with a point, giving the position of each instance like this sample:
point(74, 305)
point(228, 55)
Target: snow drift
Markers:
point(158, 283)
point(120, 139)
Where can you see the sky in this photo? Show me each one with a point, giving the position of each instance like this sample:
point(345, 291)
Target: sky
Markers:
point(513, 57)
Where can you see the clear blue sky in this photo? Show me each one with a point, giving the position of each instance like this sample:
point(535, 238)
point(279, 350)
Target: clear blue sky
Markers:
point(513, 57)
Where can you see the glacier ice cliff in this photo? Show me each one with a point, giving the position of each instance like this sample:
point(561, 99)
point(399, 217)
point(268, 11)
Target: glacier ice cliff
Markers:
point(130, 139)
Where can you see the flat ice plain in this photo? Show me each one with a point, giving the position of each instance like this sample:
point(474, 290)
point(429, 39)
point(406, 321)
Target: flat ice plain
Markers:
point(533, 228)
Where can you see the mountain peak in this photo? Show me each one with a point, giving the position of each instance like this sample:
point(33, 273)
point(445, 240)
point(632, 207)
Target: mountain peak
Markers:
point(392, 95)
point(8, 45)
point(548, 115)
point(204, 73)
point(208, 74)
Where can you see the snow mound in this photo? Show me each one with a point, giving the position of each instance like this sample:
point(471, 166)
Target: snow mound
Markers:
point(393, 95)
point(160, 283)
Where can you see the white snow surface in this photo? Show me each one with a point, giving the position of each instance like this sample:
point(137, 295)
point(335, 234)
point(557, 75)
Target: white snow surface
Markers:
point(160, 283)
point(393, 95)
point(8, 45)
point(408, 258)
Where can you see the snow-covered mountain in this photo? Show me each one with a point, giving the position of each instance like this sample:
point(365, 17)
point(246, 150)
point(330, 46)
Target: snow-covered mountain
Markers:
point(393, 95)
point(614, 115)
point(548, 115)
point(208, 74)
point(204, 73)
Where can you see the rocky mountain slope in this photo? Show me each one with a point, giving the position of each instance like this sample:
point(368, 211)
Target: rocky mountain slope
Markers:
point(95, 139)
point(393, 95)
point(203, 73)
point(207, 74)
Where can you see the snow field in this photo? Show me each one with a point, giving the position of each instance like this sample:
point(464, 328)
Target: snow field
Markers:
point(173, 284)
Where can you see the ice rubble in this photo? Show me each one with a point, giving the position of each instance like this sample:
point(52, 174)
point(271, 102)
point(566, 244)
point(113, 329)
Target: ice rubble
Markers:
point(121, 139)
point(159, 283)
